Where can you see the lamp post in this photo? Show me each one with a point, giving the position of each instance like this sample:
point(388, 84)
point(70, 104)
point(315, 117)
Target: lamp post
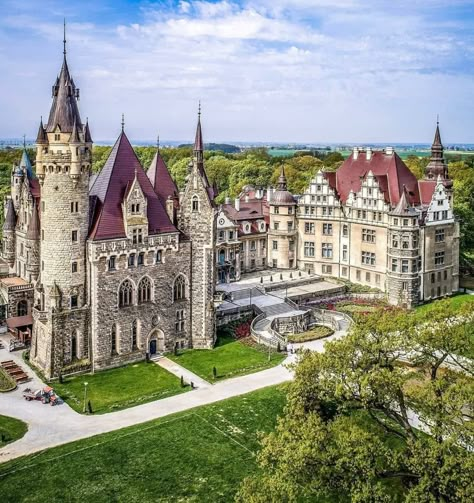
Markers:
point(85, 396)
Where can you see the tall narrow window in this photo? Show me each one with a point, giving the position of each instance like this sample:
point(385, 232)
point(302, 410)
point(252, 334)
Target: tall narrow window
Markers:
point(134, 334)
point(73, 348)
point(179, 288)
point(144, 290)
point(179, 324)
point(113, 341)
point(126, 294)
point(159, 257)
point(195, 204)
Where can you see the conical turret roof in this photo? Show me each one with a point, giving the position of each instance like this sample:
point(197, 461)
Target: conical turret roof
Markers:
point(10, 219)
point(64, 110)
point(74, 138)
point(41, 137)
point(87, 133)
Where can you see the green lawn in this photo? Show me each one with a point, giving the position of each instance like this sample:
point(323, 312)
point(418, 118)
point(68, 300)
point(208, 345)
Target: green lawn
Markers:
point(317, 332)
point(456, 301)
point(230, 357)
point(199, 455)
point(11, 429)
point(119, 388)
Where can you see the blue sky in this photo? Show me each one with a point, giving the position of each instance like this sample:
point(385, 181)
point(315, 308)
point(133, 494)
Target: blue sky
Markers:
point(265, 70)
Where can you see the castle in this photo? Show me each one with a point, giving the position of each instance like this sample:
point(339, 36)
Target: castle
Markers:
point(371, 222)
point(102, 270)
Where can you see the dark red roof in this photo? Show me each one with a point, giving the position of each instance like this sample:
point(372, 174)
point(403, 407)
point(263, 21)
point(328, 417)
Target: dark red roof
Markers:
point(427, 188)
point(161, 179)
point(109, 189)
point(350, 175)
point(251, 210)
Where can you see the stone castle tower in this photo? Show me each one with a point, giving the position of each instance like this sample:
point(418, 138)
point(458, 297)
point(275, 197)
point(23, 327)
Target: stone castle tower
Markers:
point(197, 220)
point(63, 162)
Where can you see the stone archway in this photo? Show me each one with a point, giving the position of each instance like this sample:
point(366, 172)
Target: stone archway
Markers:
point(156, 342)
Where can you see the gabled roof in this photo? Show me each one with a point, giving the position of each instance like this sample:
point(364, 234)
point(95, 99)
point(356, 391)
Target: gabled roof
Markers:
point(64, 110)
point(10, 219)
point(255, 209)
point(350, 175)
point(427, 188)
point(161, 179)
point(108, 192)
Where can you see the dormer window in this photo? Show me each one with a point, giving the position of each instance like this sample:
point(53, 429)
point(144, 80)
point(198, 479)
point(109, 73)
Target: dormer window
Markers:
point(57, 137)
point(135, 208)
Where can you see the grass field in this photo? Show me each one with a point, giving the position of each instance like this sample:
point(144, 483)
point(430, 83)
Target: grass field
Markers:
point(196, 456)
point(11, 429)
point(456, 301)
point(119, 388)
point(230, 357)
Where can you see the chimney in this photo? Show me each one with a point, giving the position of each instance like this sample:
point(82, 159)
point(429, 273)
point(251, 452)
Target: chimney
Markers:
point(368, 153)
point(269, 193)
point(355, 153)
point(389, 150)
point(227, 200)
point(246, 199)
point(237, 204)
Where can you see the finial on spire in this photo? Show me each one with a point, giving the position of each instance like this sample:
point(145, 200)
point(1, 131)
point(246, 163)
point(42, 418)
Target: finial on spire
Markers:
point(199, 109)
point(158, 142)
point(64, 38)
point(123, 122)
point(24, 141)
point(437, 119)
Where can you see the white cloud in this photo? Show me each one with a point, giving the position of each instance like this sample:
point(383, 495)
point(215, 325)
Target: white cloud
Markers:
point(294, 70)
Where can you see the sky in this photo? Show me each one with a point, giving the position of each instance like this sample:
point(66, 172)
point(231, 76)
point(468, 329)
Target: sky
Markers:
point(315, 71)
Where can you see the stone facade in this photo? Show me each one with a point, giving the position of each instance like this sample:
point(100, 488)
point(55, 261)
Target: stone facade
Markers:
point(110, 269)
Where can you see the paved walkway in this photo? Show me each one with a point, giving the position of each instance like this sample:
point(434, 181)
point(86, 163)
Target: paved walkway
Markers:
point(52, 426)
point(179, 371)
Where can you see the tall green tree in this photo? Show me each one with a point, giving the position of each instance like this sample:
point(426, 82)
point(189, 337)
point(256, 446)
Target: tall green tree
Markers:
point(363, 426)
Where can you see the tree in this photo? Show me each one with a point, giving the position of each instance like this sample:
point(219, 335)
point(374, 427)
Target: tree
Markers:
point(360, 423)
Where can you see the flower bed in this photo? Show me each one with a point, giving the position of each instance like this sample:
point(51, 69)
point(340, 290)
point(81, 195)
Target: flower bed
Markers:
point(315, 333)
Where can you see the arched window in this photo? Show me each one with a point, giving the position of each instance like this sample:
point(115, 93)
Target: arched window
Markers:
point(144, 290)
point(126, 293)
point(73, 348)
point(113, 341)
point(195, 203)
point(134, 334)
point(179, 288)
point(22, 308)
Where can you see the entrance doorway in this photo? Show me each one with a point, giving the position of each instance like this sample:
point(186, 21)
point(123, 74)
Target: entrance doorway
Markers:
point(156, 342)
point(153, 347)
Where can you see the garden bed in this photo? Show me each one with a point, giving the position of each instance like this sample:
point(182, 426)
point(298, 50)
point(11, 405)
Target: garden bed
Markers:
point(315, 333)
point(7, 383)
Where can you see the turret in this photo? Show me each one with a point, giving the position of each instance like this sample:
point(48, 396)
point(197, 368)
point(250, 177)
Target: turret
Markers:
point(282, 240)
point(9, 233)
point(197, 220)
point(437, 165)
point(18, 177)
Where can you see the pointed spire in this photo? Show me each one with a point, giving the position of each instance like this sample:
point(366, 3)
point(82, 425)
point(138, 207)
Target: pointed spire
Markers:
point(74, 138)
point(64, 109)
point(64, 38)
point(25, 164)
point(158, 143)
point(198, 143)
point(87, 132)
point(437, 165)
point(33, 231)
point(41, 136)
point(10, 219)
point(282, 185)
